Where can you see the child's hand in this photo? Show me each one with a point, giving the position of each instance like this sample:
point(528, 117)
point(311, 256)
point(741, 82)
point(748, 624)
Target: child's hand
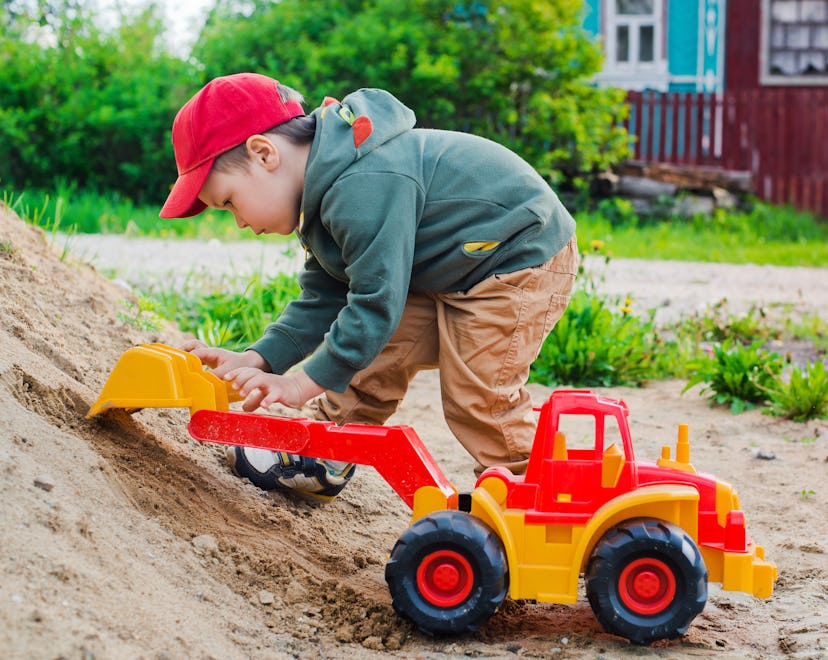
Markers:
point(221, 360)
point(263, 389)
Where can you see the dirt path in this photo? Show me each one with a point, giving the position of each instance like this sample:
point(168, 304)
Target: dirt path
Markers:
point(670, 287)
point(125, 538)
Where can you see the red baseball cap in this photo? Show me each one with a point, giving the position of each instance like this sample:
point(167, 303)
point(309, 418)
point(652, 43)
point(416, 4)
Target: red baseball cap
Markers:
point(221, 115)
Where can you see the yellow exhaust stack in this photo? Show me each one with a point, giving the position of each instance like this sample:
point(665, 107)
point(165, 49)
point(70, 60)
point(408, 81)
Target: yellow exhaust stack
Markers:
point(160, 376)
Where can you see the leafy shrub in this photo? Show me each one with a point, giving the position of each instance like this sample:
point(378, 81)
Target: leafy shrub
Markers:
point(804, 396)
point(516, 71)
point(90, 105)
point(618, 211)
point(736, 375)
point(596, 345)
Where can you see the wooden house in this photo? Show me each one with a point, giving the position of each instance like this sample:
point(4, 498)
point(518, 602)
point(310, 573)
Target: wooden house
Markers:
point(737, 85)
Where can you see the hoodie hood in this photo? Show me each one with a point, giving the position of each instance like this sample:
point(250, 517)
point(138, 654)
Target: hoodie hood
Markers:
point(347, 131)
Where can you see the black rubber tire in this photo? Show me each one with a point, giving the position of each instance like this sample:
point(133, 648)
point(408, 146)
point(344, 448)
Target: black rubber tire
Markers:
point(448, 573)
point(646, 580)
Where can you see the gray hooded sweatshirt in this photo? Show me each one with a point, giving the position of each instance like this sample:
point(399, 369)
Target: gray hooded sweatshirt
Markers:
point(388, 208)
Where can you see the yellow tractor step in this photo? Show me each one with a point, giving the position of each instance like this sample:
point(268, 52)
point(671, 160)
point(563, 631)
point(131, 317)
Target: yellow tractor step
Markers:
point(160, 376)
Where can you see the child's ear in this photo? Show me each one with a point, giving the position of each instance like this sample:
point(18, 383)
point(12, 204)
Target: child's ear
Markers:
point(262, 151)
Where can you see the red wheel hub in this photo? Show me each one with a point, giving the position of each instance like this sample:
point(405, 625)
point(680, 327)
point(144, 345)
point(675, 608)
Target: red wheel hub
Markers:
point(445, 578)
point(647, 586)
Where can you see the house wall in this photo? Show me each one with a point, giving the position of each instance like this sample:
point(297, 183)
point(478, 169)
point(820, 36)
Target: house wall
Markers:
point(742, 47)
point(592, 16)
point(691, 40)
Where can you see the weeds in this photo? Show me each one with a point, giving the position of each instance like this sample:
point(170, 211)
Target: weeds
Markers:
point(808, 440)
point(736, 375)
point(718, 324)
point(232, 317)
point(810, 328)
point(807, 493)
point(764, 234)
point(804, 396)
point(596, 344)
point(141, 313)
point(66, 208)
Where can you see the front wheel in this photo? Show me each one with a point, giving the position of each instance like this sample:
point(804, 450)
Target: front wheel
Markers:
point(646, 580)
point(447, 573)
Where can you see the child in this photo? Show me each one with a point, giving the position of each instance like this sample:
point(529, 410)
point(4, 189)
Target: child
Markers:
point(425, 249)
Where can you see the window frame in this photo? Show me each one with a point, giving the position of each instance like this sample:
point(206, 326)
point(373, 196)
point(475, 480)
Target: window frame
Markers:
point(634, 74)
point(774, 79)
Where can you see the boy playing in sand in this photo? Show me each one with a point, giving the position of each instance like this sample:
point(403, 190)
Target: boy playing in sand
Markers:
point(425, 249)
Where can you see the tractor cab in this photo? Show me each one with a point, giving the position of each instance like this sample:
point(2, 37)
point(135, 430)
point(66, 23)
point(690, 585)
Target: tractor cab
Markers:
point(582, 457)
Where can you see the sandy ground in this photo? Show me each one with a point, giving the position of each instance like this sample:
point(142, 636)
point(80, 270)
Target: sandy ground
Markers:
point(122, 537)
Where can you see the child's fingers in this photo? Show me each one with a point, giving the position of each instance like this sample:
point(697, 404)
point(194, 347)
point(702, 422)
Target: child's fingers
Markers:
point(212, 357)
point(241, 375)
point(252, 401)
point(192, 344)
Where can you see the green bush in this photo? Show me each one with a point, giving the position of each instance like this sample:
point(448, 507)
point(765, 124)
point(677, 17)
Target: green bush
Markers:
point(804, 396)
point(736, 375)
point(596, 344)
point(516, 71)
point(89, 106)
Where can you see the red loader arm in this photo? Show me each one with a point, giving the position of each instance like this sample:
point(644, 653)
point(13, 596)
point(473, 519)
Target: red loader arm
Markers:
point(396, 452)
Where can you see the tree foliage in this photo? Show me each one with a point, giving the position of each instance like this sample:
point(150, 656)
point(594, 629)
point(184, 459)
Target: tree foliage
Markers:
point(516, 71)
point(95, 106)
point(85, 105)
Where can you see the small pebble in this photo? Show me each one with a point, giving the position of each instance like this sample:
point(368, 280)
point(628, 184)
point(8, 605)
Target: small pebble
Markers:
point(206, 544)
point(44, 482)
point(763, 454)
point(266, 598)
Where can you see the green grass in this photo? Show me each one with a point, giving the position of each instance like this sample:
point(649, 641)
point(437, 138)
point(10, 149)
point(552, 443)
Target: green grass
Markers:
point(762, 235)
point(765, 235)
point(231, 314)
point(74, 211)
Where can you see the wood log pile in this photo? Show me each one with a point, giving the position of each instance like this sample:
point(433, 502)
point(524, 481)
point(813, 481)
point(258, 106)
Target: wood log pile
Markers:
point(694, 189)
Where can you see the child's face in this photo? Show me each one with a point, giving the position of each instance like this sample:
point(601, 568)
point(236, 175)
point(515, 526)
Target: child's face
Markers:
point(259, 197)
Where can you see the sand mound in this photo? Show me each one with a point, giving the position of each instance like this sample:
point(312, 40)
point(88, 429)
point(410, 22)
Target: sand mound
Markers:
point(123, 537)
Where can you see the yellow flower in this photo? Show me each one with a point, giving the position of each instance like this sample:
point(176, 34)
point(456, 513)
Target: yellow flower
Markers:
point(625, 310)
point(597, 245)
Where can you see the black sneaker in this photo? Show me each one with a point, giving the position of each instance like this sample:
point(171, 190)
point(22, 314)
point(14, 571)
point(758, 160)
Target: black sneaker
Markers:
point(271, 470)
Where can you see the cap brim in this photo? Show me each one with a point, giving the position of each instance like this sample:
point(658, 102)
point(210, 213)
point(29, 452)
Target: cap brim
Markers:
point(183, 201)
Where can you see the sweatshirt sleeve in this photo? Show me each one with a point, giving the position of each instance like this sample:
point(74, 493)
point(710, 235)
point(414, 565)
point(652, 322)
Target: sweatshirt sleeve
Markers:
point(372, 218)
point(304, 321)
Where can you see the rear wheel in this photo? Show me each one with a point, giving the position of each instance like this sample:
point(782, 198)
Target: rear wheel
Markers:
point(447, 573)
point(646, 580)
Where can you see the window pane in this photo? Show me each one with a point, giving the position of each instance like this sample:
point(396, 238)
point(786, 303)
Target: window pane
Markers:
point(646, 45)
point(634, 7)
point(622, 44)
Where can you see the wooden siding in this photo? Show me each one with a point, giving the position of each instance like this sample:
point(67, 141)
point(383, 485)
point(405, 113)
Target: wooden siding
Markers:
point(779, 135)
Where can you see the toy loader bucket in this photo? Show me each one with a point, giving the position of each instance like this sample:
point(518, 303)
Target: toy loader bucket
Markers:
point(160, 376)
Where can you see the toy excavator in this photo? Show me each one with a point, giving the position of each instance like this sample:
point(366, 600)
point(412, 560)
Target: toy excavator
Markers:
point(646, 536)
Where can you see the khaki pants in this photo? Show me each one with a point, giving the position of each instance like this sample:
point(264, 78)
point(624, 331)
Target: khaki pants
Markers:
point(483, 342)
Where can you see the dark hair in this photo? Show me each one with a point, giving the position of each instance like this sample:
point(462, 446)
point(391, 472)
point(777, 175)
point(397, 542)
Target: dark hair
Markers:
point(299, 130)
